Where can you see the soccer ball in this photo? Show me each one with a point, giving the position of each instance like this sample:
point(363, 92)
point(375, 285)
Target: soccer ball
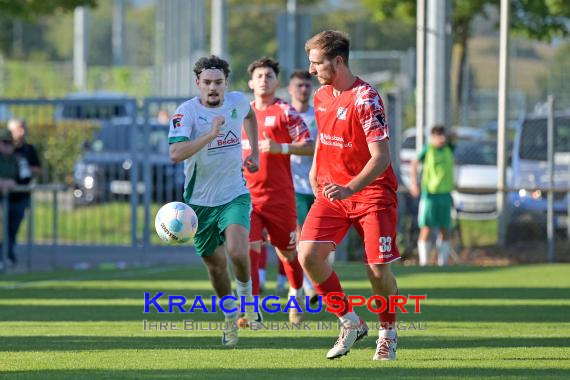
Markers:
point(176, 223)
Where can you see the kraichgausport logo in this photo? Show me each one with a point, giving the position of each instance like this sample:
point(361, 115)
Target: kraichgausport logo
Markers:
point(272, 304)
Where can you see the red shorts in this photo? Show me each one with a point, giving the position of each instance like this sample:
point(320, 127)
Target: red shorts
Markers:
point(280, 223)
point(377, 225)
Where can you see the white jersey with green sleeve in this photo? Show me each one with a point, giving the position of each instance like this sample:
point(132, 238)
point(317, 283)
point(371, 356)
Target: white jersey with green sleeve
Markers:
point(214, 174)
point(301, 165)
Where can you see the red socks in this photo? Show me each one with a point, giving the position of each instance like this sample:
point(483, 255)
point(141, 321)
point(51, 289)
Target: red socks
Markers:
point(294, 273)
point(254, 265)
point(332, 284)
point(263, 257)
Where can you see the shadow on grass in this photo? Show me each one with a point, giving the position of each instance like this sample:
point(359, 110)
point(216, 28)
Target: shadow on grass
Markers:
point(185, 340)
point(539, 293)
point(429, 313)
point(346, 271)
point(332, 372)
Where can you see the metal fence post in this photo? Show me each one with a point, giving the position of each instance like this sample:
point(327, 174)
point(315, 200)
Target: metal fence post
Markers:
point(5, 232)
point(134, 176)
point(30, 233)
point(55, 230)
point(147, 175)
point(550, 233)
point(502, 206)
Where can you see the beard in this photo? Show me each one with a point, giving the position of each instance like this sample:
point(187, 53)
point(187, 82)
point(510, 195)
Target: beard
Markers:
point(329, 78)
point(213, 100)
point(213, 103)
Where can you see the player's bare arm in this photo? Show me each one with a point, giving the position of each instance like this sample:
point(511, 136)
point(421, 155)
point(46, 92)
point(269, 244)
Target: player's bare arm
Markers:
point(251, 162)
point(313, 173)
point(414, 188)
point(300, 148)
point(379, 161)
point(183, 150)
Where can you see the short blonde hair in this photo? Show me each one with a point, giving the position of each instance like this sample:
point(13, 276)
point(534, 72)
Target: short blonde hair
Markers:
point(332, 43)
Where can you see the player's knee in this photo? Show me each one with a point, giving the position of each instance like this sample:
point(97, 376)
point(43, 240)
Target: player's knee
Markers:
point(288, 256)
point(217, 271)
point(308, 259)
point(381, 272)
point(236, 251)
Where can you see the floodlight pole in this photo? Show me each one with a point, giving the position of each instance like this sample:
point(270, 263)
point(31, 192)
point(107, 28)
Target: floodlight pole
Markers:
point(79, 49)
point(436, 77)
point(218, 41)
point(502, 207)
point(118, 32)
point(420, 73)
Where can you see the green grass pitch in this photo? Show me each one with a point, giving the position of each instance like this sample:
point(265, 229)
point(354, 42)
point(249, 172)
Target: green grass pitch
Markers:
point(501, 322)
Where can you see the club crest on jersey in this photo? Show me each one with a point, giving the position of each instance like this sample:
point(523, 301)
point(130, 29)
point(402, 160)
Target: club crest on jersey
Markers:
point(341, 113)
point(269, 121)
point(177, 120)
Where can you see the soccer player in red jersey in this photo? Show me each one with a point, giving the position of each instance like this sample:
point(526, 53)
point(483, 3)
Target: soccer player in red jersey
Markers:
point(281, 132)
point(354, 184)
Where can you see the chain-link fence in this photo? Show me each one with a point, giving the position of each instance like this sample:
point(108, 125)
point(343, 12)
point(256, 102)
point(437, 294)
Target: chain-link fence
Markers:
point(105, 171)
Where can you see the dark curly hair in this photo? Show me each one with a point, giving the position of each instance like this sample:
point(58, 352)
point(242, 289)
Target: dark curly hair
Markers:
point(211, 62)
point(264, 62)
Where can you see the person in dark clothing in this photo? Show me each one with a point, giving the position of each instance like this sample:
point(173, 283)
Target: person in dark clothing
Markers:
point(29, 166)
point(8, 177)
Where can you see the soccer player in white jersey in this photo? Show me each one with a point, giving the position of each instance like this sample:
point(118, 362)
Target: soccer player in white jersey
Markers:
point(205, 133)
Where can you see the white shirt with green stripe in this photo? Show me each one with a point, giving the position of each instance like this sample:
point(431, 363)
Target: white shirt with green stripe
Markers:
point(214, 174)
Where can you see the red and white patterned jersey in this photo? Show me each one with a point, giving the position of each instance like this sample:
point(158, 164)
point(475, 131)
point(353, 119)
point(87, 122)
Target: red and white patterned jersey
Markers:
point(346, 124)
point(273, 181)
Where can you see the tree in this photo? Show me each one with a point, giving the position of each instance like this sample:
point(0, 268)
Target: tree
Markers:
point(31, 9)
point(540, 20)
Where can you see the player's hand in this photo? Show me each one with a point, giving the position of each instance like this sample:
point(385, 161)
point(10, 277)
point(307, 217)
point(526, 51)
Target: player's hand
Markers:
point(217, 123)
point(414, 190)
point(267, 145)
point(251, 163)
point(334, 192)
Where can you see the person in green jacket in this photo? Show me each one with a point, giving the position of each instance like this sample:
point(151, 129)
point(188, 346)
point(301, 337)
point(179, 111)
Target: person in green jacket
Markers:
point(435, 194)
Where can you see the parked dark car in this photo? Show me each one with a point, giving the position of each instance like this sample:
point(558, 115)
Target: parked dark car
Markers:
point(96, 105)
point(104, 172)
point(528, 205)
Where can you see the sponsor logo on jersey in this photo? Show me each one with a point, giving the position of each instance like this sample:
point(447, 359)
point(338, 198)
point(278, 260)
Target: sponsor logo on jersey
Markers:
point(202, 118)
point(341, 113)
point(321, 109)
point(177, 120)
point(224, 141)
point(234, 114)
point(269, 121)
point(334, 141)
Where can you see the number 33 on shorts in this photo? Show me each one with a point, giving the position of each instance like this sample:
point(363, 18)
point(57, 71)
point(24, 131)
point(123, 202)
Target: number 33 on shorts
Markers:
point(385, 244)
